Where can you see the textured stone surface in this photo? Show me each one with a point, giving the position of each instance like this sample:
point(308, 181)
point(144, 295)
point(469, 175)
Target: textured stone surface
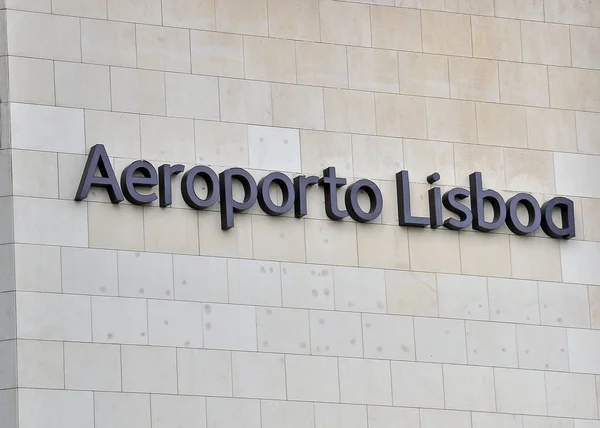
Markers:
point(119, 316)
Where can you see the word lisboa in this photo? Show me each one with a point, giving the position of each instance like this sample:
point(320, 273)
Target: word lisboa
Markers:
point(142, 174)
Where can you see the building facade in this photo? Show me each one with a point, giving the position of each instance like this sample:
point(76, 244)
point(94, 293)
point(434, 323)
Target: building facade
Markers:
point(131, 300)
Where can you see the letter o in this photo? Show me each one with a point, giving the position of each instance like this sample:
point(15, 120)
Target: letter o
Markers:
point(287, 188)
point(533, 211)
point(375, 199)
point(187, 187)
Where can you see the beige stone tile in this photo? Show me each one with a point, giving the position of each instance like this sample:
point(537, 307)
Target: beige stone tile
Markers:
point(422, 4)
point(365, 381)
point(542, 422)
point(31, 80)
point(388, 337)
point(171, 230)
point(321, 150)
point(446, 33)
point(501, 125)
point(321, 64)
point(542, 348)
point(571, 395)
point(137, 91)
point(149, 369)
point(440, 340)
point(40, 364)
point(479, 395)
point(417, 384)
point(143, 11)
point(579, 262)
point(119, 132)
point(242, 16)
point(269, 59)
point(331, 242)
point(574, 89)
point(258, 375)
point(189, 14)
point(529, 9)
point(451, 120)
point(245, 101)
point(276, 413)
point(254, 282)
point(473, 7)
point(34, 174)
point(307, 286)
point(529, 170)
point(489, 420)
point(572, 12)
point(373, 69)
point(423, 74)
point(167, 139)
point(400, 116)
point(82, 8)
point(496, 38)
point(422, 158)
point(434, 250)
point(377, 157)
point(106, 360)
point(312, 378)
point(283, 330)
point(229, 327)
point(349, 111)
point(535, 258)
point(546, 43)
point(382, 246)
point(274, 148)
point(513, 300)
point(278, 239)
point(183, 92)
point(82, 85)
point(485, 254)
point(577, 174)
point(298, 106)
point(463, 297)
point(47, 128)
point(549, 129)
point(594, 299)
point(474, 79)
point(118, 227)
point(585, 41)
point(38, 35)
point(396, 28)
point(469, 158)
point(162, 48)
point(336, 333)
point(520, 391)
point(448, 418)
point(30, 5)
point(108, 42)
point(219, 143)
point(167, 410)
point(50, 221)
point(588, 128)
point(217, 54)
point(524, 84)
point(236, 242)
point(591, 220)
point(564, 305)
point(233, 412)
point(294, 19)
point(54, 317)
point(345, 23)
point(54, 407)
point(411, 293)
point(36, 268)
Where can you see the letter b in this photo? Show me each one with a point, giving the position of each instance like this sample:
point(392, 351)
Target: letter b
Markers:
point(478, 197)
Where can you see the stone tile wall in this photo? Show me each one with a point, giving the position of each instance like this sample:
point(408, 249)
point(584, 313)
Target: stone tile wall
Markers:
point(122, 316)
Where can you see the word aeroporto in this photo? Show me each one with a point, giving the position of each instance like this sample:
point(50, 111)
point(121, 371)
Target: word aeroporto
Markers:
point(142, 175)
